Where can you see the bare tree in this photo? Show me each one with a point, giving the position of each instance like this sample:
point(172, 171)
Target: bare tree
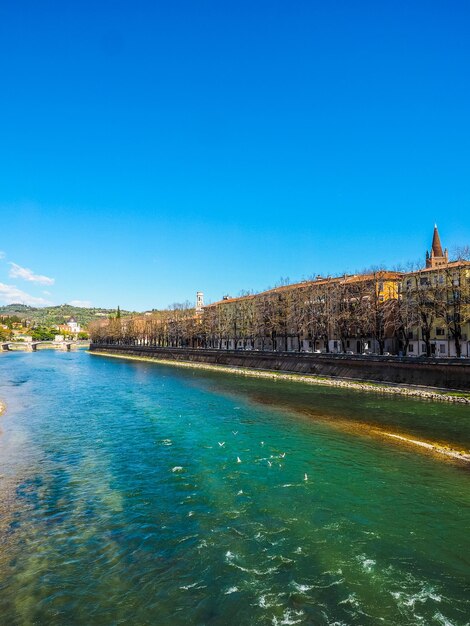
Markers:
point(457, 283)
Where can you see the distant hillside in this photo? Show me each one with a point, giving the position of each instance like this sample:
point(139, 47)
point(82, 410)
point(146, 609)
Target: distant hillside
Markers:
point(47, 316)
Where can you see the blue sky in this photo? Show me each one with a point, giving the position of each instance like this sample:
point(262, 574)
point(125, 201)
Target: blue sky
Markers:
point(151, 149)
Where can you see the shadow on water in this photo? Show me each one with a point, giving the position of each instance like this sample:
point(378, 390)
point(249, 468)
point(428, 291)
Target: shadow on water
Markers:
point(366, 412)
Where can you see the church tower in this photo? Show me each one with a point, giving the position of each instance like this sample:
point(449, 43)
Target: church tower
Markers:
point(436, 258)
point(199, 302)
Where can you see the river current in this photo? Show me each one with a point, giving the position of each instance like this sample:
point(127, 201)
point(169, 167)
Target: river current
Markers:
point(135, 493)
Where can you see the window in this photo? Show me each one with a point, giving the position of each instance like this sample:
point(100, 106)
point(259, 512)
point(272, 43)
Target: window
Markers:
point(347, 343)
point(411, 348)
point(440, 332)
point(381, 298)
point(442, 348)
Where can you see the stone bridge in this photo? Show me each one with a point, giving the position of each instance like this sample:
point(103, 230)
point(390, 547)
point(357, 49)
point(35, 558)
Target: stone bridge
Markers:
point(32, 346)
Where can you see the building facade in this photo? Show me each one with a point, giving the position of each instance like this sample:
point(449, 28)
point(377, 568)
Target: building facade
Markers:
point(435, 306)
point(352, 314)
point(425, 312)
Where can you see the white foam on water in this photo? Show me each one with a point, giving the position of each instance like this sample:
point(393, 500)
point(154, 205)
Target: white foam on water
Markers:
point(332, 584)
point(185, 587)
point(367, 564)
point(289, 617)
point(332, 572)
point(301, 588)
point(268, 600)
point(442, 619)
point(187, 538)
point(177, 468)
point(230, 558)
point(255, 571)
point(231, 590)
point(280, 557)
point(410, 599)
point(167, 442)
point(351, 599)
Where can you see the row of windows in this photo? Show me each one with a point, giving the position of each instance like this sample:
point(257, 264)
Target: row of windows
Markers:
point(441, 348)
point(436, 280)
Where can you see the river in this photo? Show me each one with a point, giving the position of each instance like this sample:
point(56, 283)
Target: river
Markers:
point(135, 493)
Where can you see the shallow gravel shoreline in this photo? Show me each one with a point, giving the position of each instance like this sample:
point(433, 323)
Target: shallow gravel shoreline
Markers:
point(414, 392)
point(459, 455)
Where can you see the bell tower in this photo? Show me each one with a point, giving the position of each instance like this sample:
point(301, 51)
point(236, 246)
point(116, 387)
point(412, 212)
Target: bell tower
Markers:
point(199, 301)
point(436, 258)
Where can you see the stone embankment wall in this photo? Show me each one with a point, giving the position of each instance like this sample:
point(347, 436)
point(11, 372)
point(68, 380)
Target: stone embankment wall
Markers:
point(442, 373)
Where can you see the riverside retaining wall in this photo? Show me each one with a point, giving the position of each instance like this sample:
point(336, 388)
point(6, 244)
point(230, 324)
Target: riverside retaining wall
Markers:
point(442, 373)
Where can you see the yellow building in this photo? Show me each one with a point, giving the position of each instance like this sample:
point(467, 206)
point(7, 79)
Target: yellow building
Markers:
point(351, 313)
point(435, 306)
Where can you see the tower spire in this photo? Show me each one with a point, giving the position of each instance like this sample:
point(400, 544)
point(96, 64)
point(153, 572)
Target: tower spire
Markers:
point(436, 257)
point(436, 243)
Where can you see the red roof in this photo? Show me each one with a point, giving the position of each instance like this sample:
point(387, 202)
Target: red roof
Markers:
point(436, 244)
point(351, 278)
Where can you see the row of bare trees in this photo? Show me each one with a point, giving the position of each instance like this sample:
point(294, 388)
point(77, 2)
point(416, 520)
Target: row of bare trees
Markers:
point(376, 307)
point(435, 305)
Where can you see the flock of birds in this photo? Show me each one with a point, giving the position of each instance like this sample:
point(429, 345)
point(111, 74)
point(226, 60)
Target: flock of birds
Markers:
point(281, 456)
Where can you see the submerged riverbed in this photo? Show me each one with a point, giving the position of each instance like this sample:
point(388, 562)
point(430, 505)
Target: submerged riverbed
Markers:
point(134, 493)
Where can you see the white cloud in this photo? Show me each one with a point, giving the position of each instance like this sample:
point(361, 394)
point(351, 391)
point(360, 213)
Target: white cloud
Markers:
point(10, 294)
point(82, 303)
point(17, 271)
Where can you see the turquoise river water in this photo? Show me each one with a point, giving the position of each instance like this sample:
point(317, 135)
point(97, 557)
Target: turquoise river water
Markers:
point(135, 493)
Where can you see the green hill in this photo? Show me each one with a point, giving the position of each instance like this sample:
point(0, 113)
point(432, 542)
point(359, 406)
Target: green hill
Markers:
point(50, 315)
